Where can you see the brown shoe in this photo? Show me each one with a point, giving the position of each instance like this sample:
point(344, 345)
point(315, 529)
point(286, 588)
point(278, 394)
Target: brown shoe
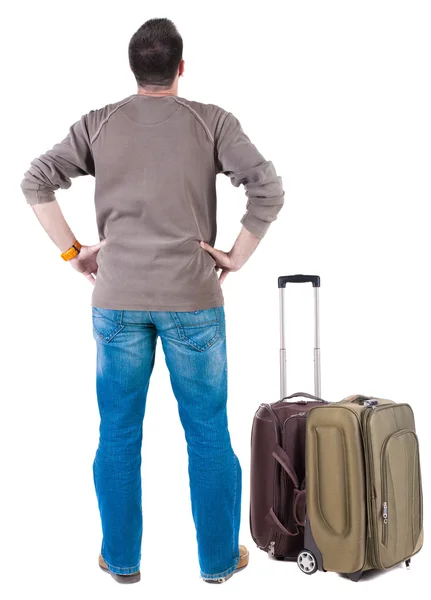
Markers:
point(131, 578)
point(242, 563)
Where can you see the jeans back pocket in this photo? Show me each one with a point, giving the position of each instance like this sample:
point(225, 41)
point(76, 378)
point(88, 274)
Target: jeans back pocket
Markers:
point(200, 329)
point(106, 323)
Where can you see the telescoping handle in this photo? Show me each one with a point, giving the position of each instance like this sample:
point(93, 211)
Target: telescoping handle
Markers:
point(315, 281)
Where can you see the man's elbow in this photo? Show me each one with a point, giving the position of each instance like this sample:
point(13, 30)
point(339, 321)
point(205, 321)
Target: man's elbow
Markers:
point(281, 198)
point(35, 193)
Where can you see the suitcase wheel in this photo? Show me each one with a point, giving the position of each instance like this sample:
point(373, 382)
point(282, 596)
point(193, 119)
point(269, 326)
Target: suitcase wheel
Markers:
point(307, 562)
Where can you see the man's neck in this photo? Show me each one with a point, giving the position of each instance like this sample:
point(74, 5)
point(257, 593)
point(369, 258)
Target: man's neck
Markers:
point(154, 92)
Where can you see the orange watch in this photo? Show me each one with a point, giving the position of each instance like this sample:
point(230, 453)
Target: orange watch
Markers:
point(72, 251)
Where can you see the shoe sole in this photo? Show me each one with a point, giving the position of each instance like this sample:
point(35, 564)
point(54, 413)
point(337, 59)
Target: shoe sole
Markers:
point(132, 578)
point(223, 579)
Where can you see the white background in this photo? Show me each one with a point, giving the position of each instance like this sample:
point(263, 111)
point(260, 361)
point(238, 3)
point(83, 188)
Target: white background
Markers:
point(337, 94)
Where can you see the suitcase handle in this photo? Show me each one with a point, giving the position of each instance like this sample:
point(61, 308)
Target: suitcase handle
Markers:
point(314, 279)
point(365, 401)
point(282, 281)
point(305, 395)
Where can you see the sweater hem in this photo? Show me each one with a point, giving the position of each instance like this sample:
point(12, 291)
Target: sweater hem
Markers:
point(215, 302)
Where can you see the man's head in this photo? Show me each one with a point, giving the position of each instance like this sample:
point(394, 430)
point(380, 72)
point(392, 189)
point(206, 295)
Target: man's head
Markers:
point(155, 55)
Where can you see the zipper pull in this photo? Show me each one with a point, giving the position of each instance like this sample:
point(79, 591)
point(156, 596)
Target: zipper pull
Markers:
point(271, 549)
point(385, 512)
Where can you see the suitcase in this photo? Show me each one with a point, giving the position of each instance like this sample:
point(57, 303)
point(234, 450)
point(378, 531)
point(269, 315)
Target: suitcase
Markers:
point(364, 490)
point(277, 490)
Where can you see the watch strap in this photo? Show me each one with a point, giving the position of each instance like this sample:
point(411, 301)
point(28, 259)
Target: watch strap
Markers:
point(71, 252)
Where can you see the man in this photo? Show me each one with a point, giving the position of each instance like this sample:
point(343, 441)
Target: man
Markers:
point(155, 157)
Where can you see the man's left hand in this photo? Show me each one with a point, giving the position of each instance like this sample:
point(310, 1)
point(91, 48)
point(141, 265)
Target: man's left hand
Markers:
point(86, 261)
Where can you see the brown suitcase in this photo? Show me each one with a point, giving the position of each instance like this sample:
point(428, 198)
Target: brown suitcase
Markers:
point(277, 490)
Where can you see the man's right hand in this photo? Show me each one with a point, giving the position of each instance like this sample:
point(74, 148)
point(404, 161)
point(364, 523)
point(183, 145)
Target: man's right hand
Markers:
point(224, 261)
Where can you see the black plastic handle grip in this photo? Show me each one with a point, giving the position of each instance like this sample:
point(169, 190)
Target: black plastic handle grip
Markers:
point(314, 279)
point(365, 401)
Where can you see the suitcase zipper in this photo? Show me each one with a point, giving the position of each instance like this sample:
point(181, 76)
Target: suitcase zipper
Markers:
point(284, 512)
point(276, 498)
point(384, 495)
point(385, 524)
point(370, 487)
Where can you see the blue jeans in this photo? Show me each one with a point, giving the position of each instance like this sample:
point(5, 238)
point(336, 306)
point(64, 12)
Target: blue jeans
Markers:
point(194, 345)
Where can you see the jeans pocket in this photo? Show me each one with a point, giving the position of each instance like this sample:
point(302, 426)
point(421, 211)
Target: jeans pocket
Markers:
point(106, 323)
point(200, 329)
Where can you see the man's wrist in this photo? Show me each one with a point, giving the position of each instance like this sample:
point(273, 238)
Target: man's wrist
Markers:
point(72, 251)
point(237, 260)
point(246, 243)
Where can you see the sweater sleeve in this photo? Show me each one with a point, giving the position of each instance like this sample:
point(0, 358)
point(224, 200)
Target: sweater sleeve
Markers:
point(54, 169)
point(240, 160)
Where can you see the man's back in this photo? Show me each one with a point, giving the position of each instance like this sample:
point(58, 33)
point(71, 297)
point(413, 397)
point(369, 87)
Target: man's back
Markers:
point(155, 160)
point(155, 157)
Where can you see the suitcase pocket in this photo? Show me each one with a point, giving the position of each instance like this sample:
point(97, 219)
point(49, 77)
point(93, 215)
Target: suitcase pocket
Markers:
point(401, 499)
point(262, 477)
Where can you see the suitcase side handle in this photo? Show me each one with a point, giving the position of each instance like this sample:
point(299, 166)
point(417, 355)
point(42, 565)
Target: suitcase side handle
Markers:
point(299, 493)
point(314, 279)
point(275, 522)
point(283, 459)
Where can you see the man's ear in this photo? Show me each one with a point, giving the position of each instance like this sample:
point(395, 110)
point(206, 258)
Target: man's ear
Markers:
point(181, 68)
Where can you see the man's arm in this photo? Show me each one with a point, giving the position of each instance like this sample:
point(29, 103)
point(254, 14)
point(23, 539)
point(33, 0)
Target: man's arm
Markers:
point(54, 170)
point(240, 160)
point(52, 220)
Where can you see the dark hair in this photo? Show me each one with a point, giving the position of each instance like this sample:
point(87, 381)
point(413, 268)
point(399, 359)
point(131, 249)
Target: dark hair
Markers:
point(155, 52)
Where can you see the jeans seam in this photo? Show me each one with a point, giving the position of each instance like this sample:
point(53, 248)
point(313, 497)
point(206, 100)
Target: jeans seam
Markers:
point(200, 324)
point(223, 573)
point(234, 503)
point(120, 568)
point(108, 337)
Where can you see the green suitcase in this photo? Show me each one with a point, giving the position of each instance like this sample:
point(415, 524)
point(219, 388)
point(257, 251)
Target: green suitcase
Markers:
point(364, 490)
